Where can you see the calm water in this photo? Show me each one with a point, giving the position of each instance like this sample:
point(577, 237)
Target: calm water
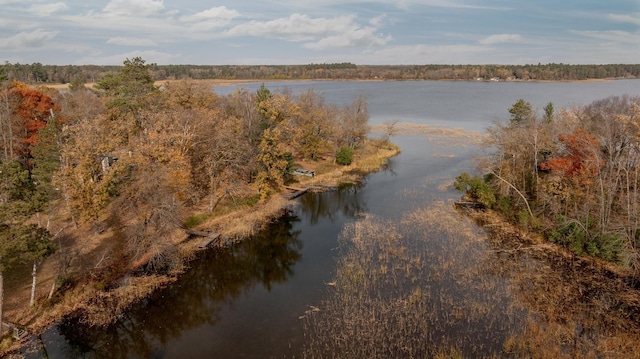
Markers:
point(246, 302)
point(470, 105)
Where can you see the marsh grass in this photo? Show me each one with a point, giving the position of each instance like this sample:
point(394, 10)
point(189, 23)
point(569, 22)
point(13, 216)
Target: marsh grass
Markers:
point(408, 290)
point(437, 285)
point(438, 135)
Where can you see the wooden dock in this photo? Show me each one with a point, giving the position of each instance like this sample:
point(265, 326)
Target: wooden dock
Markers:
point(207, 237)
point(295, 192)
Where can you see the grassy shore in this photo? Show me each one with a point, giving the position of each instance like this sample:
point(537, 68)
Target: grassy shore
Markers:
point(100, 302)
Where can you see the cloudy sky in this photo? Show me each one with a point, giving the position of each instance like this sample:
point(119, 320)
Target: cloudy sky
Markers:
point(220, 32)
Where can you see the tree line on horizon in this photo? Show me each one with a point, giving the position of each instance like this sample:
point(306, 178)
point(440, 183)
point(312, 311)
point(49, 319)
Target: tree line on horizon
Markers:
point(38, 73)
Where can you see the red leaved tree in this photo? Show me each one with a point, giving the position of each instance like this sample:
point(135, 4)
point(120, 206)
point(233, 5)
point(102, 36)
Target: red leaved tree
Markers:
point(32, 112)
point(582, 160)
point(579, 172)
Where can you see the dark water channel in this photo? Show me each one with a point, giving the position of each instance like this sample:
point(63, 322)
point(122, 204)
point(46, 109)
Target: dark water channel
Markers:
point(253, 300)
point(246, 301)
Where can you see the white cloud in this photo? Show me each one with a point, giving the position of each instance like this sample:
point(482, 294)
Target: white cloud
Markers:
point(134, 8)
point(322, 33)
point(157, 28)
point(16, 24)
point(296, 27)
point(456, 4)
point(378, 21)
point(627, 18)
point(37, 38)
point(43, 10)
point(613, 36)
point(131, 41)
point(364, 37)
point(210, 19)
point(400, 4)
point(500, 39)
point(427, 54)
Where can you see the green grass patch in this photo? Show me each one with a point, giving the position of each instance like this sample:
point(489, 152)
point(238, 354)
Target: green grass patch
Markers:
point(197, 219)
point(245, 202)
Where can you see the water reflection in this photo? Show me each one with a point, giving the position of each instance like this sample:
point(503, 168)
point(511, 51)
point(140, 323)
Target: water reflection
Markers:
point(347, 200)
point(215, 279)
point(413, 289)
point(436, 285)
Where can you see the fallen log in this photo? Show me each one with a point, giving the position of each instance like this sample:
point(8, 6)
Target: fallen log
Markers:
point(470, 205)
point(193, 232)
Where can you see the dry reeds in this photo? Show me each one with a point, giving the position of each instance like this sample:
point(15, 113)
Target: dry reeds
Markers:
point(436, 134)
point(400, 291)
point(435, 285)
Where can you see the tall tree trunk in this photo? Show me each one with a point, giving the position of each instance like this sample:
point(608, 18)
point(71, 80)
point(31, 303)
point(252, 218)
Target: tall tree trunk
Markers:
point(34, 275)
point(53, 288)
point(1, 301)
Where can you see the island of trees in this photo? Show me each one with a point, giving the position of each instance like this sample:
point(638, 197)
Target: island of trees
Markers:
point(572, 175)
point(105, 180)
point(39, 73)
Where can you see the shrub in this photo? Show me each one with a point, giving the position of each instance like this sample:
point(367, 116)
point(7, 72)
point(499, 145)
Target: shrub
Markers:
point(476, 188)
point(503, 204)
point(573, 235)
point(607, 246)
point(344, 157)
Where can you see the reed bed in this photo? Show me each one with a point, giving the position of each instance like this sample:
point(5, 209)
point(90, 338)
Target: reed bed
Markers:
point(437, 285)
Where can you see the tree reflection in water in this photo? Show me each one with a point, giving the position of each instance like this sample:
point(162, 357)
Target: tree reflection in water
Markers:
point(347, 200)
point(217, 278)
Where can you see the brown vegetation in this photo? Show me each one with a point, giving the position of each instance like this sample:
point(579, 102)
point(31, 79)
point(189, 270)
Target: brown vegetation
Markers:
point(571, 175)
point(436, 285)
point(134, 165)
point(576, 306)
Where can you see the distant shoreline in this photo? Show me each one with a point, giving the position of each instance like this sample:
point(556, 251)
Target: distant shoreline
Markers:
point(226, 82)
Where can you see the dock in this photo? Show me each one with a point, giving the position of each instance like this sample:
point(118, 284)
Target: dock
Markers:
point(206, 237)
point(295, 192)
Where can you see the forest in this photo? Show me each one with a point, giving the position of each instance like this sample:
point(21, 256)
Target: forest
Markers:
point(572, 175)
point(39, 73)
point(133, 164)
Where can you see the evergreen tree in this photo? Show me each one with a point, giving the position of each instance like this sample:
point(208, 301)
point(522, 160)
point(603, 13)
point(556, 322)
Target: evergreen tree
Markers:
point(18, 202)
point(129, 92)
point(3, 74)
point(548, 112)
point(520, 112)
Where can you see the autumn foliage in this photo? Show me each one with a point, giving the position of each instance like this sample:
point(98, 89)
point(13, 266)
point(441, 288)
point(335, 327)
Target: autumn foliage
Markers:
point(29, 112)
point(582, 159)
point(572, 175)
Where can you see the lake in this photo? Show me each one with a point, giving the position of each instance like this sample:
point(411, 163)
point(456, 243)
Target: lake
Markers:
point(280, 294)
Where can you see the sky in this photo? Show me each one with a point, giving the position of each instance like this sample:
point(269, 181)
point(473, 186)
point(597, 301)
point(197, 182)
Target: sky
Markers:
point(373, 32)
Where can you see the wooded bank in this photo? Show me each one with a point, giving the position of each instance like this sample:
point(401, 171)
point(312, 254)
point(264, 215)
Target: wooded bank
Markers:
point(572, 175)
point(97, 184)
point(38, 73)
